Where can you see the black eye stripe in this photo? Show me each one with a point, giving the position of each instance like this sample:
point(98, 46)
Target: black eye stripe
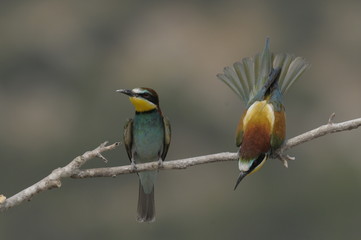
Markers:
point(145, 95)
point(148, 97)
point(256, 162)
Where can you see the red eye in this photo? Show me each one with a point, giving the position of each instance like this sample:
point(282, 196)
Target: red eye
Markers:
point(146, 95)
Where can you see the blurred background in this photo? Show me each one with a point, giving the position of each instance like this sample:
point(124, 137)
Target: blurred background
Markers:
point(61, 62)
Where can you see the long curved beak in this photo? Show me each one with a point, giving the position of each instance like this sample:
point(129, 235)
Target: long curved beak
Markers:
point(125, 91)
point(240, 177)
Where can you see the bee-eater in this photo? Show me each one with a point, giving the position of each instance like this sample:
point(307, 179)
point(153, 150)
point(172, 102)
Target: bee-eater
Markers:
point(261, 82)
point(146, 138)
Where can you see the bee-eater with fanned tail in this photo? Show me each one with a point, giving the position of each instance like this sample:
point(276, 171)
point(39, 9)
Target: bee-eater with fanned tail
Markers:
point(261, 82)
point(146, 138)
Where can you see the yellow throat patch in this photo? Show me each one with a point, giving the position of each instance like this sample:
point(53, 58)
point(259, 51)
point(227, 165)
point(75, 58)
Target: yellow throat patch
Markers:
point(142, 105)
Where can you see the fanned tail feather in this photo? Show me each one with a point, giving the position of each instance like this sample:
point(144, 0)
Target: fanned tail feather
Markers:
point(233, 83)
point(248, 76)
point(292, 68)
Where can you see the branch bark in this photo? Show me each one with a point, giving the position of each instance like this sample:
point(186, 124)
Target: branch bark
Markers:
point(53, 180)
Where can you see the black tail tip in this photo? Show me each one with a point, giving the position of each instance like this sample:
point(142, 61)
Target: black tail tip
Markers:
point(240, 177)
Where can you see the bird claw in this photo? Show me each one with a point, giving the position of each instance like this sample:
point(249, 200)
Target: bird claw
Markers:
point(160, 163)
point(285, 158)
point(133, 166)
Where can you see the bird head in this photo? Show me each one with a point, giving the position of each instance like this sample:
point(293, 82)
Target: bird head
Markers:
point(143, 99)
point(248, 167)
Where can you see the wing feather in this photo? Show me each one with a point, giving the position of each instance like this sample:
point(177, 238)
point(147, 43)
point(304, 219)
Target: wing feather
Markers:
point(128, 137)
point(167, 137)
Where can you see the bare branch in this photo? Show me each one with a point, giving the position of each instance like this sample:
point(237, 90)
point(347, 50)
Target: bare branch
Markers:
point(54, 179)
point(319, 132)
point(73, 168)
point(221, 157)
point(175, 164)
point(328, 128)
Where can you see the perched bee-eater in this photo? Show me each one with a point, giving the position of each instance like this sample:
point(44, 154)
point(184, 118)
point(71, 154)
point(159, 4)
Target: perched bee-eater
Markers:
point(146, 138)
point(261, 82)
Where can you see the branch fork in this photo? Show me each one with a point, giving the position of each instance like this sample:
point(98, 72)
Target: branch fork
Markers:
point(53, 180)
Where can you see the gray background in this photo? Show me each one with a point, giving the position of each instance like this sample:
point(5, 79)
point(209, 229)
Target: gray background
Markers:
point(61, 61)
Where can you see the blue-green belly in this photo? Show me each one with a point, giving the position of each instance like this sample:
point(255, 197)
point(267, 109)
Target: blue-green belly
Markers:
point(148, 138)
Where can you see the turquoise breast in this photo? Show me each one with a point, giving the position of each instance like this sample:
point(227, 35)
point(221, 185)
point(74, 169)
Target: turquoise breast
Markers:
point(148, 136)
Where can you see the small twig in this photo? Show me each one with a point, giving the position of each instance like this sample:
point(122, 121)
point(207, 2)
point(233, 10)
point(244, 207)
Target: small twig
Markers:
point(330, 120)
point(2, 198)
point(102, 158)
point(54, 179)
point(319, 132)
point(328, 128)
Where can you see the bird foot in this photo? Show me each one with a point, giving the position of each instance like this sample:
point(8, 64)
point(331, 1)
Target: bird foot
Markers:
point(285, 158)
point(160, 163)
point(133, 166)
